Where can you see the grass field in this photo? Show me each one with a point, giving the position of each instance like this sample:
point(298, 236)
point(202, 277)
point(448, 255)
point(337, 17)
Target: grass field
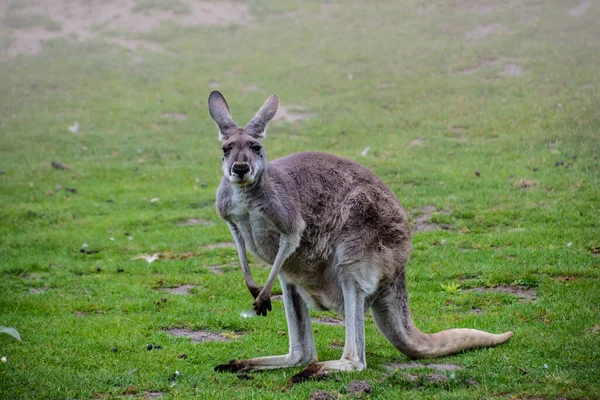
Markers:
point(482, 117)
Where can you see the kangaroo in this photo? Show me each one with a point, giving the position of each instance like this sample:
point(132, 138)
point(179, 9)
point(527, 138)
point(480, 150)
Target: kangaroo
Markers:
point(337, 238)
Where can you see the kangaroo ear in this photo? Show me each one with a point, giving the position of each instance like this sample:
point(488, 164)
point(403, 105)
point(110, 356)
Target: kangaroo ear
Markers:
point(256, 127)
point(219, 111)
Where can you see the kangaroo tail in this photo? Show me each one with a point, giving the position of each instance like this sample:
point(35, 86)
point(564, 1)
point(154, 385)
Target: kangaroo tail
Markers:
point(392, 317)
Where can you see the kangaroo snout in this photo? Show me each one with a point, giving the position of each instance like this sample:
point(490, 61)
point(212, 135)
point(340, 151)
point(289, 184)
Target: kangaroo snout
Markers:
point(240, 169)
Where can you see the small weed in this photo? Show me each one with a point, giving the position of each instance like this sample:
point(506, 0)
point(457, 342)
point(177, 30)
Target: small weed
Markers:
point(451, 287)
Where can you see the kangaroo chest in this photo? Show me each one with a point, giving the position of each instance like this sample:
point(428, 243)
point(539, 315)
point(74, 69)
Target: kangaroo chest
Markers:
point(258, 232)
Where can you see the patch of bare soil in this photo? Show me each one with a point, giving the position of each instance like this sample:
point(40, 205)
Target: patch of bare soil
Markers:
point(525, 183)
point(170, 255)
point(477, 8)
point(385, 85)
point(250, 88)
point(37, 290)
point(457, 129)
point(135, 45)
point(182, 289)
point(321, 395)
point(224, 245)
point(202, 336)
point(154, 395)
point(482, 64)
point(413, 365)
point(416, 142)
point(194, 221)
point(485, 30)
point(512, 70)
point(526, 293)
point(277, 297)
point(87, 20)
point(291, 113)
point(219, 269)
point(176, 116)
point(581, 8)
point(327, 321)
point(357, 388)
point(423, 220)
point(436, 378)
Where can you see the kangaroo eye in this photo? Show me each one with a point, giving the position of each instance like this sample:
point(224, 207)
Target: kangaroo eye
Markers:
point(256, 148)
point(226, 150)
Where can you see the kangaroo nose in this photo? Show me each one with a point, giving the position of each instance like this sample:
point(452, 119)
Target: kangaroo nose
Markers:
point(240, 169)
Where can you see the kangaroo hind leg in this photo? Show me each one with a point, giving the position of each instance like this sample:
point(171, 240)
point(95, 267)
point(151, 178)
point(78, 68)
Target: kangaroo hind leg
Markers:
point(353, 357)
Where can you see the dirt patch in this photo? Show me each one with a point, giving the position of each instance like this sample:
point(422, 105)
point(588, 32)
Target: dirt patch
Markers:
point(526, 293)
point(476, 311)
point(580, 9)
point(413, 365)
point(183, 289)
point(359, 387)
point(202, 336)
point(176, 116)
point(37, 290)
point(566, 278)
point(87, 20)
point(194, 221)
point(135, 45)
point(482, 64)
point(277, 297)
point(512, 70)
point(219, 269)
point(477, 8)
point(224, 245)
point(436, 378)
point(170, 255)
point(154, 395)
point(250, 88)
point(321, 395)
point(525, 183)
point(336, 344)
point(459, 130)
point(291, 113)
point(423, 220)
point(385, 85)
point(327, 321)
point(482, 31)
point(416, 142)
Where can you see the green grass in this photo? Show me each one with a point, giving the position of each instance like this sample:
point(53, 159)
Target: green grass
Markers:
point(405, 62)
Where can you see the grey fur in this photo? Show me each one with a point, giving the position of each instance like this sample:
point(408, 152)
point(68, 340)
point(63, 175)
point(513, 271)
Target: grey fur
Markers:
point(338, 240)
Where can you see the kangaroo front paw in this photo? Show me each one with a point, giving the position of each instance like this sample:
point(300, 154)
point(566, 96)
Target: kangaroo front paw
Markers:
point(262, 304)
point(233, 367)
point(255, 290)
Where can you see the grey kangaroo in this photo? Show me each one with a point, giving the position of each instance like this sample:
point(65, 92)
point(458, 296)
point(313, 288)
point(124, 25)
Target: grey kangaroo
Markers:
point(337, 239)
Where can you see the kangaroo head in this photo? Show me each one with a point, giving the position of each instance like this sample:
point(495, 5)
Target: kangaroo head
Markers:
point(243, 154)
